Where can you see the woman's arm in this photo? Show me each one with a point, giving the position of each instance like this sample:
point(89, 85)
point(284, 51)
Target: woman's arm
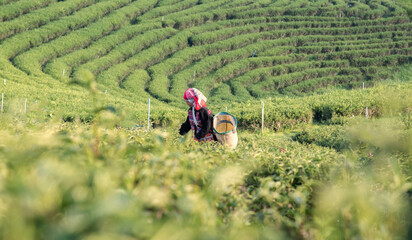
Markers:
point(185, 127)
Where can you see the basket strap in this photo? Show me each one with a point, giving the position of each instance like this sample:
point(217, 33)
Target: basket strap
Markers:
point(194, 117)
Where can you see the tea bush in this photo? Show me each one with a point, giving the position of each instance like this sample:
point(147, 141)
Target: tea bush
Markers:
point(63, 180)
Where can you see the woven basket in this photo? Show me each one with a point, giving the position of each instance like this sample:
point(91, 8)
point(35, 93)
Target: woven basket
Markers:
point(224, 125)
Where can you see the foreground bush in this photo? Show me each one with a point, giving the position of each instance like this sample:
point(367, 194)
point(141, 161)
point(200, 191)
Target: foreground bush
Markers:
point(62, 181)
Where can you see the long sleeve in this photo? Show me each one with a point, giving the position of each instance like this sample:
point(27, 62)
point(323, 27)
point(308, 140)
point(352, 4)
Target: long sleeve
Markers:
point(185, 127)
point(206, 121)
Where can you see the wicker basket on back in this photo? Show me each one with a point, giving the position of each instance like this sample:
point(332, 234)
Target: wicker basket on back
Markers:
point(224, 125)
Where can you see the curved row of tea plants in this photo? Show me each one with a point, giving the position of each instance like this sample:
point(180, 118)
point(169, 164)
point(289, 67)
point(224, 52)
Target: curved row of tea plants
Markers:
point(157, 49)
point(32, 60)
point(42, 16)
point(10, 47)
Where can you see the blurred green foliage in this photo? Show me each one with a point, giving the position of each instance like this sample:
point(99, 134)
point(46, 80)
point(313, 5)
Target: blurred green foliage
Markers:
point(157, 185)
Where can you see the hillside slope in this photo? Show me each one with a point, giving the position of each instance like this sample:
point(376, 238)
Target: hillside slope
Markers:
point(233, 51)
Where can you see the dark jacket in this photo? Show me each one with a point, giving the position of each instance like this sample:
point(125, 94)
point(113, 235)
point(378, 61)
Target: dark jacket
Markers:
point(206, 121)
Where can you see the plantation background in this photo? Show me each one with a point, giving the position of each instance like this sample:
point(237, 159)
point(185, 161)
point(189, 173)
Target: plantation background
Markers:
point(332, 162)
point(234, 51)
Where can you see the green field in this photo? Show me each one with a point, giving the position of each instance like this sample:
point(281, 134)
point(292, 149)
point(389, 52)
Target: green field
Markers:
point(333, 160)
point(233, 51)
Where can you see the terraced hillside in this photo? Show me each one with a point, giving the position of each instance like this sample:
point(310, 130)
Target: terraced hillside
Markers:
point(233, 51)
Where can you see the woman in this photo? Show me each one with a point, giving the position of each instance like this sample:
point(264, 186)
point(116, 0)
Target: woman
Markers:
point(199, 118)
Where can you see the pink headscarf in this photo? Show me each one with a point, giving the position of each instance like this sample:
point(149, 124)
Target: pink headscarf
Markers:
point(200, 99)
